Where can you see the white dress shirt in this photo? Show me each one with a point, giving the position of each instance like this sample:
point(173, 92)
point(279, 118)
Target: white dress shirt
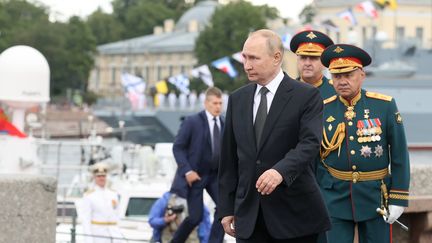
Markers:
point(272, 87)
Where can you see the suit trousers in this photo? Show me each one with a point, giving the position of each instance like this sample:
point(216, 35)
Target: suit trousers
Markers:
point(196, 206)
point(262, 235)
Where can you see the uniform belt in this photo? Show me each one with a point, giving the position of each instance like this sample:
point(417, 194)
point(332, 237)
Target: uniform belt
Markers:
point(103, 223)
point(356, 176)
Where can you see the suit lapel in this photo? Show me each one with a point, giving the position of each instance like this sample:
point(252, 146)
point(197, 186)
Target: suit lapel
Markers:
point(206, 127)
point(249, 100)
point(282, 96)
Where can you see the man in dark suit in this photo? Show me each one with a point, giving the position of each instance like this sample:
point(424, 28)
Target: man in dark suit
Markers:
point(267, 189)
point(197, 152)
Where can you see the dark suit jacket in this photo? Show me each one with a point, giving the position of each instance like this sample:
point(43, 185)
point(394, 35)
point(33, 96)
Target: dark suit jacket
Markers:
point(192, 150)
point(290, 142)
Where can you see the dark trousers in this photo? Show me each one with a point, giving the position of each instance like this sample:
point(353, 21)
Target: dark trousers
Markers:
point(370, 231)
point(261, 235)
point(196, 206)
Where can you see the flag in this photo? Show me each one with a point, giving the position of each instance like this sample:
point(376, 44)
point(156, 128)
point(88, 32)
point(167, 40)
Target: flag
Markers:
point(8, 128)
point(368, 8)
point(132, 83)
point(286, 39)
point(238, 57)
point(161, 87)
point(203, 72)
point(392, 4)
point(225, 66)
point(329, 25)
point(181, 81)
point(349, 16)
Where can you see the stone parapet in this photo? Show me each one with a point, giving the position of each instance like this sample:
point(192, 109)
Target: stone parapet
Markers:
point(28, 208)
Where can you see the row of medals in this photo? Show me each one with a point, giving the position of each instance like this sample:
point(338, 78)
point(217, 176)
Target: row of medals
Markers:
point(365, 134)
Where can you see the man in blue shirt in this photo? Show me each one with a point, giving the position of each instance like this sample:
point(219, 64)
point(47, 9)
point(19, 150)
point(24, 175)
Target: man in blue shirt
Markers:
point(164, 223)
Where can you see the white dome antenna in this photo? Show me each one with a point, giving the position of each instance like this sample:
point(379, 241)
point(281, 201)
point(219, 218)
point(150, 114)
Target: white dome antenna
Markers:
point(25, 80)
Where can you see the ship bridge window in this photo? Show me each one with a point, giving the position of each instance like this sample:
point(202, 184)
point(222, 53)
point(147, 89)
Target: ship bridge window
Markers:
point(139, 206)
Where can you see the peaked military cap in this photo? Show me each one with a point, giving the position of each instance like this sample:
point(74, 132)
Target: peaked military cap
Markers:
point(99, 169)
point(343, 58)
point(310, 43)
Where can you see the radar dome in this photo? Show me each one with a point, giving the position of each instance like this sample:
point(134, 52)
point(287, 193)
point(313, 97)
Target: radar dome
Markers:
point(24, 77)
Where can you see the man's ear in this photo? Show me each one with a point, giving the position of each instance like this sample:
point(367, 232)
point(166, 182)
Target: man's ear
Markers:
point(277, 58)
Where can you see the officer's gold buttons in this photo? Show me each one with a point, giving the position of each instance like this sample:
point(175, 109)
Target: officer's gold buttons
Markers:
point(351, 138)
point(354, 167)
point(350, 123)
point(352, 152)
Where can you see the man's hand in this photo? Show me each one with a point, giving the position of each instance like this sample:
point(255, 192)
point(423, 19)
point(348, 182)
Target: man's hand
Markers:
point(169, 218)
point(228, 225)
point(268, 181)
point(191, 177)
point(394, 213)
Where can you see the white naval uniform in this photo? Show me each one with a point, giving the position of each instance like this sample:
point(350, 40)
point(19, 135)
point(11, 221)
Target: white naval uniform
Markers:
point(98, 211)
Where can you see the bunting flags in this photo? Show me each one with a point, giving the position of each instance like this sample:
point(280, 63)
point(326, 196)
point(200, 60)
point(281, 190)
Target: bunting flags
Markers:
point(161, 87)
point(349, 16)
point(330, 26)
point(132, 83)
point(368, 8)
point(203, 72)
point(238, 57)
point(392, 4)
point(286, 39)
point(134, 87)
point(225, 66)
point(181, 81)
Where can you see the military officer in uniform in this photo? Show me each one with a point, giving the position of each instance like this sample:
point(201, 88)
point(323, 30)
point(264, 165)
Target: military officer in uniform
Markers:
point(308, 46)
point(98, 209)
point(364, 157)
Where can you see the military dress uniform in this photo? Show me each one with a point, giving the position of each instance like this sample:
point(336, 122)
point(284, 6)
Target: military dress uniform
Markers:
point(364, 156)
point(312, 43)
point(99, 214)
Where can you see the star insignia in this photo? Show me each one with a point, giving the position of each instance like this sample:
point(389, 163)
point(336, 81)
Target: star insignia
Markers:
point(366, 151)
point(338, 49)
point(330, 119)
point(398, 117)
point(330, 127)
point(378, 151)
point(311, 35)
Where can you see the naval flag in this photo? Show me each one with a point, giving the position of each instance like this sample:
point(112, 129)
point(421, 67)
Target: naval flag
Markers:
point(203, 72)
point(225, 66)
point(181, 81)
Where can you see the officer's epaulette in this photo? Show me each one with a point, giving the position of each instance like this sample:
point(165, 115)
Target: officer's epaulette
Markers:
point(378, 96)
point(89, 191)
point(331, 82)
point(328, 100)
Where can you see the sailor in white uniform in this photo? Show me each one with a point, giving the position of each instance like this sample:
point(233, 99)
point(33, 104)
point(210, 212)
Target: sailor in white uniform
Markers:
point(98, 209)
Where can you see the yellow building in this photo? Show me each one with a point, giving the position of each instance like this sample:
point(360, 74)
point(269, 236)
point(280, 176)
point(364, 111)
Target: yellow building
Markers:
point(168, 51)
point(411, 21)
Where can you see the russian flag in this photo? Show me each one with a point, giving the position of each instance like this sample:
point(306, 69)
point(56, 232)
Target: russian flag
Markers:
point(349, 16)
point(368, 8)
point(225, 66)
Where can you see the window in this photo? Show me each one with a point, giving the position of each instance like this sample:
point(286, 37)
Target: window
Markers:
point(400, 33)
point(419, 34)
point(113, 75)
point(139, 206)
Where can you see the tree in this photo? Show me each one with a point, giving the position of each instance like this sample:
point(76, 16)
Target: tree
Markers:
point(105, 27)
point(229, 27)
point(307, 14)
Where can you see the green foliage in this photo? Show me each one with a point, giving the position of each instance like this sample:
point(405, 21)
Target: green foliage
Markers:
point(307, 14)
point(105, 27)
point(229, 28)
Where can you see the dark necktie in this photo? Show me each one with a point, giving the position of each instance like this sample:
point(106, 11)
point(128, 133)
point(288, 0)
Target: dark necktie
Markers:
point(216, 144)
point(261, 115)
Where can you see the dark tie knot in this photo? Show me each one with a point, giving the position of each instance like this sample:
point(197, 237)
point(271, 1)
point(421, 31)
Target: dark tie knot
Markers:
point(263, 91)
point(214, 119)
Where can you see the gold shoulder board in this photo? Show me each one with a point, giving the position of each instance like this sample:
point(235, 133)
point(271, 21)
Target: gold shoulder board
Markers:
point(89, 191)
point(378, 96)
point(328, 100)
point(331, 82)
